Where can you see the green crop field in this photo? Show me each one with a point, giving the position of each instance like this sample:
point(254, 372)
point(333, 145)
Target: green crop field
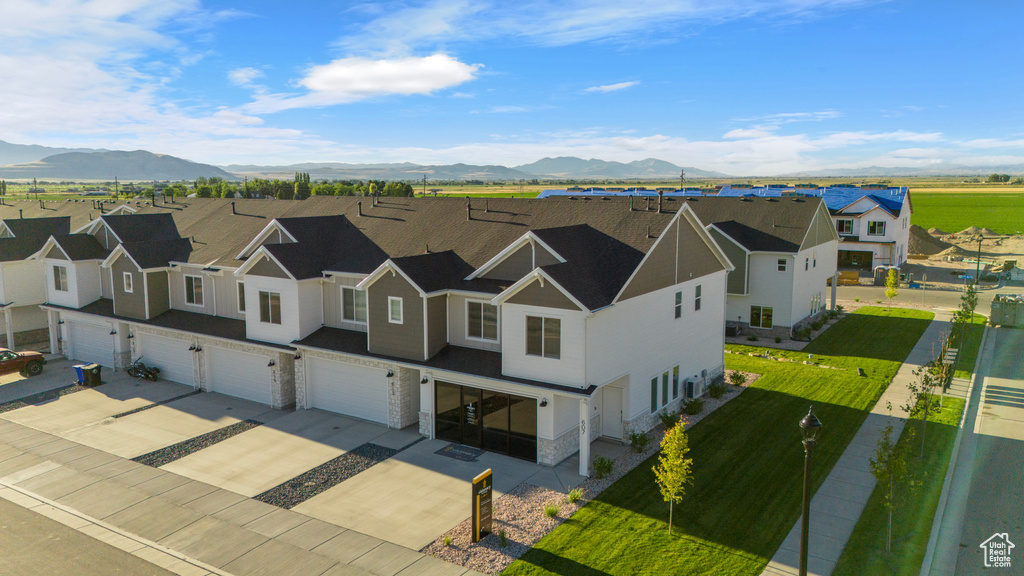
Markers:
point(952, 212)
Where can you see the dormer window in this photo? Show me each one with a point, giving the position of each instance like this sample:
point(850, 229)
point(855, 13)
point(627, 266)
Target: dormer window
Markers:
point(60, 278)
point(482, 320)
point(395, 310)
point(127, 282)
point(844, 226)
point(194, 290)
point(353, 304)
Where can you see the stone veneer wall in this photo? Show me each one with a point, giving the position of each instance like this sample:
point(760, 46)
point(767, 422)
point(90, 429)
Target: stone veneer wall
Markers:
point(282, 391)
point(401, 411)
point(426, 424)
point(27, 337)
point(551, 452)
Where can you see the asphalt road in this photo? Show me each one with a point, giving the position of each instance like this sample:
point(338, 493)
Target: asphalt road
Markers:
point(34, 545)
point(929, 298)
point(995, 501)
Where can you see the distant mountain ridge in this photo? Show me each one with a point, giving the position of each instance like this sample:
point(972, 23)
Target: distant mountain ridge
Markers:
point(936, 170)
point(572, 167)
point(21, 153)
point(136, 165)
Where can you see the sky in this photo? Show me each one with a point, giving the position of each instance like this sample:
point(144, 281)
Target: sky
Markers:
point(743, 87)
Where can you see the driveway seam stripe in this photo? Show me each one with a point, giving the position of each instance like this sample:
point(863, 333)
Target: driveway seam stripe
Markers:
point(297, 490)
point(155, 404)
point(177, 451)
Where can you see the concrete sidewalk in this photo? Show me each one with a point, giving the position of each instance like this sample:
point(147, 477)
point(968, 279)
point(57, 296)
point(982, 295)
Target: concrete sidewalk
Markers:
point(838, 503)
point(185, 526)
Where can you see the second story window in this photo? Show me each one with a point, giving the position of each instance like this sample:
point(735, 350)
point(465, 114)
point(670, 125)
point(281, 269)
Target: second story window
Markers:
point(482, 320)
point(395, 312)
point(876, 228)
point(679, 304)
point(544, 337)
point(60, 278)
point(241, 297)
point(270, 307)
point(844, 226)
point(194, 290)
point(353, 304)
point(782, 264)
point(128, 282)
point(696, 298)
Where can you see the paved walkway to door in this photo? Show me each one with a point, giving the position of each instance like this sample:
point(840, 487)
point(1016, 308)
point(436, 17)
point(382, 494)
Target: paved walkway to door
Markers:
point(838, 503)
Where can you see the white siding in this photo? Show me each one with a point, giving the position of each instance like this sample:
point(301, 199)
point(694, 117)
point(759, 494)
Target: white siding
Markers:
point(227, 296)
point(22, 282)
point(813, 281)
point(568, 370)
point(288, 330)
point(106, 286)
point(767, 287)
point(88, 275)
point(457, 324)
point(62, 298)
point(311, 307)
point(641, 337)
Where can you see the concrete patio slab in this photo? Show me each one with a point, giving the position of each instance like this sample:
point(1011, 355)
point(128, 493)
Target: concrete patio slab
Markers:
point(213, 541)
point(162, 426)
point(387, 559)
point(160, 484)
point(413, 497)
point(72, 454)
point(115, 468)
point(430, 566)
point(188, 492)
point(138, 475)
point(94, 460)
point(18, 463)
point(153, 519)
point(346, 570)
point(59, 482)
point(273, 558)
point(347, 546)
point(263, 457)
point(58, 445)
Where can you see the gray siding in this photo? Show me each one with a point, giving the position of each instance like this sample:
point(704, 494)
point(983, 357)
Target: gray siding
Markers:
point(267, 268)
point(514, 266)
point(104, 237)
point(55, 253)
point(543, 257)
point(226, 289)
point(332, 304)
point(457, 323)
point(401, 340)
point(548, 297)
point(736, 282)
point(130, 305)
point(177, 287)
point(159, 298)
point(821, 230)
point(671, 262)
point(437, 324)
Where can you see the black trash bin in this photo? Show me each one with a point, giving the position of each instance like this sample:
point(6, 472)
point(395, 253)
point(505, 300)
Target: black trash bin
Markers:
point(92, 374)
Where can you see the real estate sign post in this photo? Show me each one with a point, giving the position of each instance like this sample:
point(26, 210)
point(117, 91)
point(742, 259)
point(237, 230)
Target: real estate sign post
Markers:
point(482, 498)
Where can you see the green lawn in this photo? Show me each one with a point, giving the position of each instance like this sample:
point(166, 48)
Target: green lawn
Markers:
point(954, 212)
point(865, 553)
point(748, 464)
point(969, 351)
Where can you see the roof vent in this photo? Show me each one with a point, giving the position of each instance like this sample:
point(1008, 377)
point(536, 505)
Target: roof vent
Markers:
point(661, 200)
point(359, 208)
point(487, 205)
point(233, 207)
point(469, 209)
point(648, 203)
point(20, 215)
point(631, 203)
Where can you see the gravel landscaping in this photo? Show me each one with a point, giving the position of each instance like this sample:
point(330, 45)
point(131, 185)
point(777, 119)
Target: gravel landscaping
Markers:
point(174, 452)
point(326, 476)
point(155, 404)
point(41, 397)
point(520, 513)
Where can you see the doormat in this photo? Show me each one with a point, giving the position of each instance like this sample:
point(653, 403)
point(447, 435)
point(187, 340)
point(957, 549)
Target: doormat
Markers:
point(460, 452)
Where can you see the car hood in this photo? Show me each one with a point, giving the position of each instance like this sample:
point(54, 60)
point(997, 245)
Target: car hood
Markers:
point(30, 354)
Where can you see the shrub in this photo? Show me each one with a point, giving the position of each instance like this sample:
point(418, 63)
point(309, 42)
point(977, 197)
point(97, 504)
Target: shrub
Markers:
point(878, 301)
point(551, 510)
point(817, 324)
point(752, 338)
point(838, 309)
point(602, 466)
point(778, 339)
point(504, 540)
point(693, 407)
point(858, 299)
point(638, 441)
point(737, 378)
point(668, 420)
point(447, 541)
point(575, 495)
point(716, 390)
point(802, 334)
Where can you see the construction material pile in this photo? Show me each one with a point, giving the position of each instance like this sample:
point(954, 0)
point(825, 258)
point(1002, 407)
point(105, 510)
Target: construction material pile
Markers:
point(921, 242)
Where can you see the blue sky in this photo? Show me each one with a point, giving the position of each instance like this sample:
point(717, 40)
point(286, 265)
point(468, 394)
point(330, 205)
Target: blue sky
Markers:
point(745, 87)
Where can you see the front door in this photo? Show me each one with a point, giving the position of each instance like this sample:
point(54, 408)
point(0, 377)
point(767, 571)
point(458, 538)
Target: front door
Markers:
point(471, 416)
point(495, 421)
point(611, 413)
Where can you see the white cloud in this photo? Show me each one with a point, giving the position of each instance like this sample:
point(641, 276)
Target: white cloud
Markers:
point(245, 77)
point(351, 79)
point(612, 87)
point(790, 117)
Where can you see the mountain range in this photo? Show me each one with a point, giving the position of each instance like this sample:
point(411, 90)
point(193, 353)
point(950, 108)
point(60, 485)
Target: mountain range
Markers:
point(107, 165)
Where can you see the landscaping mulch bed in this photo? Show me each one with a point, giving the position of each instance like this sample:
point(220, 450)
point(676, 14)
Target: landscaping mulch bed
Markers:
point(155, 404)
point(326, 476)
point(41, 397)
point(177, 451)
point(520, 513)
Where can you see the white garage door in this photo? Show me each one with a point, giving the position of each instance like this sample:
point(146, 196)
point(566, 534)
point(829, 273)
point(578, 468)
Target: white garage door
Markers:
point(239, 374)
point(92, 343)
point(170, 355)
point(348, 389)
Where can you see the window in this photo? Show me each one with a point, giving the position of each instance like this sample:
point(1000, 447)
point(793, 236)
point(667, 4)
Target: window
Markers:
point(807, 264)
point(664, 388)
point(696, 298)
point(814, 263)
point(60, 278)
point(679, 304)
point(241, 297)
point(654, 395)
point(544, 337)
point(353, 304)
point(844, 226)
point(270, 307)
point(675, 382)
point(876, 228)
point(482, 320)
point(128, 282)
point(760, 317)
point(194, 290)
point(782, 264)
point(395, 310)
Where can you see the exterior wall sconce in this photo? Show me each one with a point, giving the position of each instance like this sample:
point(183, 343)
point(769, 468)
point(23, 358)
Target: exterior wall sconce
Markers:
point(199, 348)
point(130, 336)
point(60, 321)
point(424, 380)
point(271, 363)
point(192, 348)
point(298, 356)
point(391, 373)
point(113, 332)
point(543, 402)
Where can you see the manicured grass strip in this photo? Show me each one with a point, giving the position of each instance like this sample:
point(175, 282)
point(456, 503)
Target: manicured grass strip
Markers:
point(953, 212)
point(748, 464)
point(969, 349)
point(40, 397)
point(174, 452)
point(155, 404)
point(865, 553)
point(326, 476)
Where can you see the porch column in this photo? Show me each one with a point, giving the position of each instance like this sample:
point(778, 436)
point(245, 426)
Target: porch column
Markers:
point(51, 322)
point(9, 324)
point(835, 288)
point(584, 436)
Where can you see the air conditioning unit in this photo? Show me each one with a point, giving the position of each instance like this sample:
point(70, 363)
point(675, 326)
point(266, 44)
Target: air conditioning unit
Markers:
point(692, 388)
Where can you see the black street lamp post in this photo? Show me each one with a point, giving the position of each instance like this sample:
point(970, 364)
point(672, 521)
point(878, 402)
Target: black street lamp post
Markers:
point(810, 426)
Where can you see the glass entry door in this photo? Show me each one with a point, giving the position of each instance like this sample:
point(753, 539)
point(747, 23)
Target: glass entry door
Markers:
point(471, 416)
point(494, 421)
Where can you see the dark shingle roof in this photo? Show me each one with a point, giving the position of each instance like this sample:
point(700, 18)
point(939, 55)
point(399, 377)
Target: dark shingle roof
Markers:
point(142, 227)
point(759, 224)
point(81, 247)
point(36, 227)
point(160, 253)
point(12, 249)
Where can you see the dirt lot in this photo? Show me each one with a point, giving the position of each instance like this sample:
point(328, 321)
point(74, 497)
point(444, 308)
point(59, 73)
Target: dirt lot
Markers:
point(944, 267)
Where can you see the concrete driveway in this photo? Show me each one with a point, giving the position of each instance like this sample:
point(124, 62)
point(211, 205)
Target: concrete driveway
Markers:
point(161, 426)
point(415, 496)
point(263, 457)
point(57, 373)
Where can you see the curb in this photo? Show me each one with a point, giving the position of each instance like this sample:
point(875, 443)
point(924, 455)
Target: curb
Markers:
point(940, 511)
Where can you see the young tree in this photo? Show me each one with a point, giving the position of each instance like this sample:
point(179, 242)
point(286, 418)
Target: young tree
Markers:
point(889, 467)
point(920, 401)
point(674, 470)
point(892, 284)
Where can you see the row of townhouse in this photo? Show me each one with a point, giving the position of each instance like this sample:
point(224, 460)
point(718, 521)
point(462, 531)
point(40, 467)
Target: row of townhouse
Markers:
point(525, 327)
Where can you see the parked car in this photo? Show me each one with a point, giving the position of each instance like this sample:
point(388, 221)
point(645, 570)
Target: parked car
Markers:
point(29, 363)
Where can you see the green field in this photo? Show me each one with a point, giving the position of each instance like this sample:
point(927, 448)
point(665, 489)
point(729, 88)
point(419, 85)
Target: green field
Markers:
point(747, 460)
point(952, 212)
